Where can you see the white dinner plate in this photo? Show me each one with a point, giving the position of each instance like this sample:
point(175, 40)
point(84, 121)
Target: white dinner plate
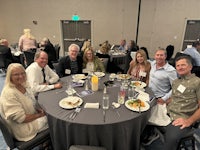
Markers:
point(145, 108)
point(138, 84)
point(123, 76)
point(79, 76)
point(70, 102)
point(99, 74)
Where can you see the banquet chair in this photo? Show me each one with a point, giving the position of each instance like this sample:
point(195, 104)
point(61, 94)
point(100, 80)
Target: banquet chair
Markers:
point(2, 63)
point(85, 147)
point(29, 56)
point(12, 143)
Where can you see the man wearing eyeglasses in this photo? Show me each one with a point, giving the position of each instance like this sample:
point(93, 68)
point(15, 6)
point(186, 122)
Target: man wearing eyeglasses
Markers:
point(71, 64)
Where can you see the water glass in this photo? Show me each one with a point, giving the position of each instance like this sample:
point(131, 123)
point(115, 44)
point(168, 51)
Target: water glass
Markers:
point(131, 93)
point(105, 101)
point(121, 97)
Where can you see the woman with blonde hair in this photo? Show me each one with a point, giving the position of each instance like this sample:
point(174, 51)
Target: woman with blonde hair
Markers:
point(18, 106)
point(139, 68)
point(91, 63)
point(27, 41)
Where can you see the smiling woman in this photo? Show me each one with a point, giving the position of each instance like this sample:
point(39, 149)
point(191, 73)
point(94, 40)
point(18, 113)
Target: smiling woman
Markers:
point(18, 105)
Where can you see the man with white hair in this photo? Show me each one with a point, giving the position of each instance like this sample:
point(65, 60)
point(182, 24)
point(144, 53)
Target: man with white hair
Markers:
point(71, 64)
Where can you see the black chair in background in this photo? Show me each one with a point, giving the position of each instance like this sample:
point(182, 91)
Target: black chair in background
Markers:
point(57, 48)
point(3, 65)
point(12, 143)
point(29, 57)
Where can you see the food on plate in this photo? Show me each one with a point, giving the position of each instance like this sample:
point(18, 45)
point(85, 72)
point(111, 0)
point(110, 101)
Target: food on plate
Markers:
point(124, 76)
point(136, 83)
point(136, 103)
point(72, 103)
point(79, 76)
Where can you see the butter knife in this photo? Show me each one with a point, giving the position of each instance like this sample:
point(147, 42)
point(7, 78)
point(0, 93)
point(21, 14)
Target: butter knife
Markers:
point(104, 116)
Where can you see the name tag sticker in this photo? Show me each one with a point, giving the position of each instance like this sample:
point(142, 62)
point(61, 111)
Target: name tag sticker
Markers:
point(181, 88)
point(67, 71)
point(142, 74)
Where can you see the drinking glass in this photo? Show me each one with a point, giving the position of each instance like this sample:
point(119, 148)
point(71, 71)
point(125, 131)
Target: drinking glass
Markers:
point(121, 97)
point(105, 101)
point(130, 93)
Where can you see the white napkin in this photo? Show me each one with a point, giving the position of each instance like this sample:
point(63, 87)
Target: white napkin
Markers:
point(92, 105)
point(116, 105)
point(70, 92)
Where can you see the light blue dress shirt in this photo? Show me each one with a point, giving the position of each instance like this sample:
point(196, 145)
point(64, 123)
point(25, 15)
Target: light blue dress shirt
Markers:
point(194, 54)
point(160, 80)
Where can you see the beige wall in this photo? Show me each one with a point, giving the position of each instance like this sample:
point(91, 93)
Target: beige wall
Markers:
point(162, 21)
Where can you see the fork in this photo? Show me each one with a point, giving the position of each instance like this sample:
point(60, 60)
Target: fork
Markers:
point(114, 108)
point(74, 114)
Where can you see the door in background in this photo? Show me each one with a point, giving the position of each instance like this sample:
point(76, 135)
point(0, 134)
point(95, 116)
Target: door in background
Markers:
point(75, 32)
point(192, 32)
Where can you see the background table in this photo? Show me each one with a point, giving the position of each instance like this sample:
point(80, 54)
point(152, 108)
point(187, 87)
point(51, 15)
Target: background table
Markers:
point(88, 128)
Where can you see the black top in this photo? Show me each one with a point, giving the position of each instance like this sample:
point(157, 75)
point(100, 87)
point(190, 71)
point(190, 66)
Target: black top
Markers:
point(65, 63)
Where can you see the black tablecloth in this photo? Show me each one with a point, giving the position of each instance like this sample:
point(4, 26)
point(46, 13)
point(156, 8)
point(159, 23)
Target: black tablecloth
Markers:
point(88, 128)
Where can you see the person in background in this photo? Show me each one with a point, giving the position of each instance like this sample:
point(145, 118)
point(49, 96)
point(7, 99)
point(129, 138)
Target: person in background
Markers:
point(140, 68)
point(184, 105)
point(48, 47)
point(27, 41)
point(71, 64)
point(123, 45)
point(86, 44)
point(132, 46)
point(6, 51)
point(193, 52)
point(40, 76)
point(18, 106)
point(105, 48)
point(92, 63)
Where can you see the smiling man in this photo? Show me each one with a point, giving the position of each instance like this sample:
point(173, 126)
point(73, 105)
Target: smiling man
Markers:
point(71, 64)
point(184, 108)
point(40, 76)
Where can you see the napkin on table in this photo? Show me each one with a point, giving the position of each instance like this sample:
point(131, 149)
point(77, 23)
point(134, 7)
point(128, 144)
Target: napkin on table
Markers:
point(92, 105)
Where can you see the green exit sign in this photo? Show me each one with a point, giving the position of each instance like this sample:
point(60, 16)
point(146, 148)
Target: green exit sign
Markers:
point(75, 18)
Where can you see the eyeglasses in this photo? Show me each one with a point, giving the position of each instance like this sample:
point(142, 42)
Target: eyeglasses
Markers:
point(18, 74)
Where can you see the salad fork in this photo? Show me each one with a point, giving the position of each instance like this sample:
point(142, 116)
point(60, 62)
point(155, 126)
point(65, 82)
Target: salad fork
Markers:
point(75, 113)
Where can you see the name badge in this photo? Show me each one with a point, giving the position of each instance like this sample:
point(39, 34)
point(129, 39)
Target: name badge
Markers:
point(67, 71)
point(142, 74)
point(181, 88)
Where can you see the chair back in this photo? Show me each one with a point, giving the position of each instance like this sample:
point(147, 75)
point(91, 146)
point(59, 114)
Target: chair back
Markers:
point(57, 49)
point(2, 61)
point(8, 137)
point(29, 56)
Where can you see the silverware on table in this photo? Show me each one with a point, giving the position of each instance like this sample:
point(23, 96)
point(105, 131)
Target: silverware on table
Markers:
point(104, 115)
point(75, 113)
point(114, 108)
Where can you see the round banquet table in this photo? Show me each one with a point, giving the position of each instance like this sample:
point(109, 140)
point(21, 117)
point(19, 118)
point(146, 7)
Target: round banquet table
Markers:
point(89, 128)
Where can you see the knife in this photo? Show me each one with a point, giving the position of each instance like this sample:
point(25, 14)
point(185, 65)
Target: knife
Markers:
point(104, 116)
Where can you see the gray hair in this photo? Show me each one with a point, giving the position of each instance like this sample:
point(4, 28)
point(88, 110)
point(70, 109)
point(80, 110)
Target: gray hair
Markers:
point(37, 54)
point(73, 45)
